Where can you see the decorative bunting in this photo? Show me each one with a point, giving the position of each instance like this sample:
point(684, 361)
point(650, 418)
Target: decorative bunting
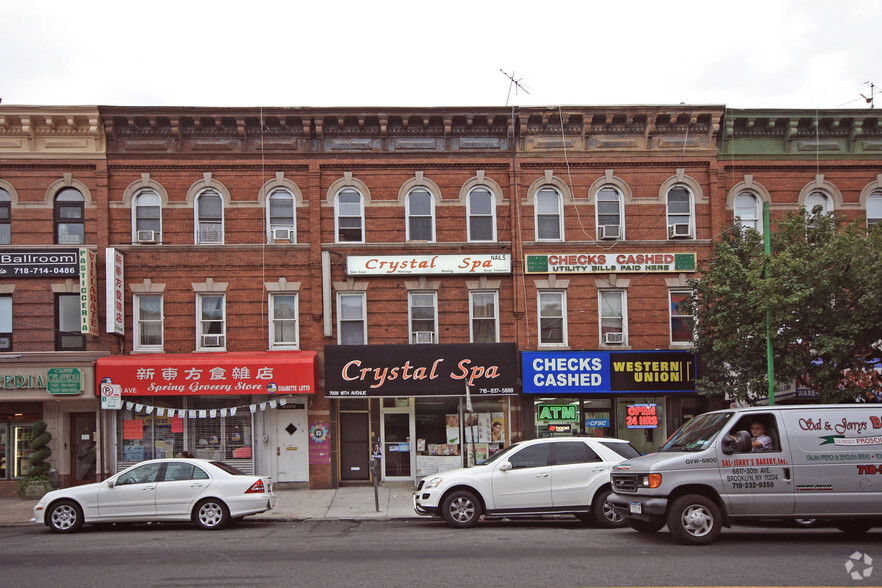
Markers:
point(162, 411)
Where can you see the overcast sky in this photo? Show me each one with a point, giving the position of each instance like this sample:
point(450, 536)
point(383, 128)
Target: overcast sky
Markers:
point(747, 54)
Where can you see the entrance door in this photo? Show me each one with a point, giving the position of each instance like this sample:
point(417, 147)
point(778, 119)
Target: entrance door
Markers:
point(292, 449)
point(355, 449)
point(398, 431)
point(83, 455)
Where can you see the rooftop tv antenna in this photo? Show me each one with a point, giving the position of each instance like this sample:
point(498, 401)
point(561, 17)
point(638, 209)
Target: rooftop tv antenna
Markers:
point(516, 83)
point(872, 95)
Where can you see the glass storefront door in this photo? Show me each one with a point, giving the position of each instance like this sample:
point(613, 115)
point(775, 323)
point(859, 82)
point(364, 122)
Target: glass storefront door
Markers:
point(397, 433)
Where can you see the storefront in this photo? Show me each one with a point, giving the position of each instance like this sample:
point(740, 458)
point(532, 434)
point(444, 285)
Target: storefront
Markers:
point(40, 387)
point(640, 396)
point(247, 409)
point(424, 408)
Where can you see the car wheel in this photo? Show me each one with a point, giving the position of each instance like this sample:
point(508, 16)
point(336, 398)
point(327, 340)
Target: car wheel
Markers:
point(604, 514)
point(212, 514)
point(461, 509)
point(65, 516)
point(853, 527)
point(694, 520)
point(645, 526)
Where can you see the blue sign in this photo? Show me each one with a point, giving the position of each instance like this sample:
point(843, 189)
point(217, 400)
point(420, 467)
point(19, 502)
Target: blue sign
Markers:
point(604, 372)
point(601, 423)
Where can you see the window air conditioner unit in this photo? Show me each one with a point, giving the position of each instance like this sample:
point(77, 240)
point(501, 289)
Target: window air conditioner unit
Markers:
point(423, 336)
point(282, 234)
point(212, 340)
point(613, 338)
point(608, 231)
point(679, 230)
point(146, 236)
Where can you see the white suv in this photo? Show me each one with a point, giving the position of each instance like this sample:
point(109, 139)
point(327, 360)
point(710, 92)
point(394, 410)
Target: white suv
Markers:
point(559, 475)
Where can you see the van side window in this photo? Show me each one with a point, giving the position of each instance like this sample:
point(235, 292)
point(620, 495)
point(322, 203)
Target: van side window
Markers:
point(763, 432)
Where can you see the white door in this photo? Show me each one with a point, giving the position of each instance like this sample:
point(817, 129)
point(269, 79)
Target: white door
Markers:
point(292, 447)
point(528, 483)
point(398, 450)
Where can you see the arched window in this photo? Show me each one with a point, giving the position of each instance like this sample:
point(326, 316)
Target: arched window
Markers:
point(5, 218)
point(481, 210)
point(681, 224)
point(747, 211)
point(349, 216)
point(609, 214)
point(147, 217)
point(420, 213)
point(281, 217)
point(874, 209)
point(549, 214)
point(209, 218)
point(70, 228)
point(818, 198)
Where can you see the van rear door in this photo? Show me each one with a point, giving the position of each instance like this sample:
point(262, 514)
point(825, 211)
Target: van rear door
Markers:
point(758, 482)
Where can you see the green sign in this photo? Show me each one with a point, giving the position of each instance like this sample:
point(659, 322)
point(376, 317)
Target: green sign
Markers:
point(64, 381)
point(552, 412)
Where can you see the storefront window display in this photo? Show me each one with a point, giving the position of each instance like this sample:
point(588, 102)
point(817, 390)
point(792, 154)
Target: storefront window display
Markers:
point(557, 417)
point(208, 427)
point(448, 436)
point(641, 420)
point(16, 421)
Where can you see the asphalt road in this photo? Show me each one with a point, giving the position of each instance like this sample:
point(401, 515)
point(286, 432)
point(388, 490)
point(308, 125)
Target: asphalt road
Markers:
point(417, 553)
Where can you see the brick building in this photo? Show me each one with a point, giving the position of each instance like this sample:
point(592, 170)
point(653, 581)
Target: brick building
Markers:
point(290, 286)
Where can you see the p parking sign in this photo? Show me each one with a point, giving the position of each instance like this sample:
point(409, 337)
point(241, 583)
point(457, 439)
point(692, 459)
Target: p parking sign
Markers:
point(111, 396)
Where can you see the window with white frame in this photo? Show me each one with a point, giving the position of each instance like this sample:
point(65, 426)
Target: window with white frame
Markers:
point(818, 198)
point(6, 323)
point(283, 321)
point(281, 217)
point(681, 316)
point(146, 217)
point(552, 318)
point(549, 214)
point(70, 228)
point(351, 318)
point(874, 209)
point(748, 211)
point(679, 213)
point(209, 218)
point(613, 317)
point(349, 216)
point(423, 315)
point(420, 213)
point(5, 217)
point(609, 214)
point(147, 309)
point(481, 210)
point(212, 322)
point(483, 316)
point(68, 333)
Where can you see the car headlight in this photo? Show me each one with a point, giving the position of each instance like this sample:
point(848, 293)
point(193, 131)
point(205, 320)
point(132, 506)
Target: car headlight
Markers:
point(651, 481)
point(433, 483)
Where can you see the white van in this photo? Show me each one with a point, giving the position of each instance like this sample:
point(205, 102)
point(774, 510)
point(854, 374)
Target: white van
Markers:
point(819, 461)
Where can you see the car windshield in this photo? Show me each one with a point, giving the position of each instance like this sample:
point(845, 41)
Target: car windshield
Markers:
point(698, 433)
point(227, 468)
point(500, 453)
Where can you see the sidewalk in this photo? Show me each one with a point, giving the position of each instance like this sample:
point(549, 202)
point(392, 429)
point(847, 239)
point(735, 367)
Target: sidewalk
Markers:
point(350, 502)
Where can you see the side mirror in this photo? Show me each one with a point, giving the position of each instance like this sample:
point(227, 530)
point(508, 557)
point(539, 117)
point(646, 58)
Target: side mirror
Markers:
point(505, 466)
point(111, 482)
point(740, 443)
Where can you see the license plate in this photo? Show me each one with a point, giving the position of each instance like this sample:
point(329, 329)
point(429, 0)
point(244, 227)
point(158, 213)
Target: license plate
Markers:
point(636, 508)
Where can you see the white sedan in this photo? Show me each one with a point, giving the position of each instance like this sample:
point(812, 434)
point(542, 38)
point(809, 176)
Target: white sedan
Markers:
point(209, 493)
point(559, 475)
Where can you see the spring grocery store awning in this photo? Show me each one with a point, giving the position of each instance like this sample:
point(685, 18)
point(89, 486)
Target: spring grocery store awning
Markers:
point(210, 374)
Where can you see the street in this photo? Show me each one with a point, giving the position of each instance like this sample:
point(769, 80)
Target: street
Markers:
point(551, 552)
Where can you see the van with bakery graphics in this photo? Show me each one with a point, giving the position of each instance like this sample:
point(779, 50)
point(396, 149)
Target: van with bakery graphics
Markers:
point(790, 462)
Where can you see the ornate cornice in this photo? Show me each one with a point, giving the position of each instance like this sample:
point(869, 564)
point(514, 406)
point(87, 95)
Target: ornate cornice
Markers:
point(49, 132)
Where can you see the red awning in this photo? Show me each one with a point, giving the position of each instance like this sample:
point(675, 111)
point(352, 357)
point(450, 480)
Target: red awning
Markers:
point(210, 374)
